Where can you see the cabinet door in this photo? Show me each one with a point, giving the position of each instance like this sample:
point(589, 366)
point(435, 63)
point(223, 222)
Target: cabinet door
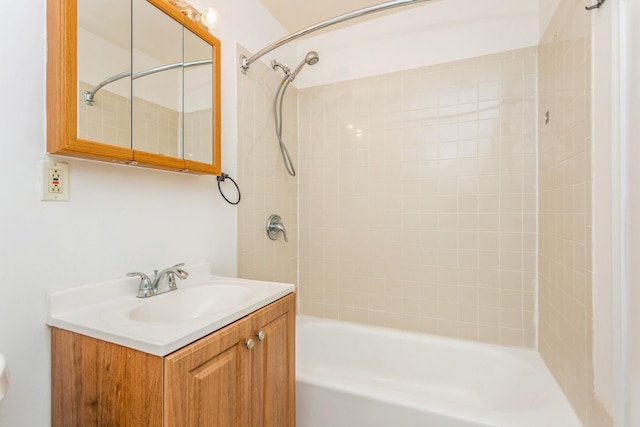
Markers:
point(96, 383)
point(207, 383)
point(273, 365)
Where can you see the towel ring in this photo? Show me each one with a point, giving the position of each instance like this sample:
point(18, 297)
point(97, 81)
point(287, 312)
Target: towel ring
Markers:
point(220, 179)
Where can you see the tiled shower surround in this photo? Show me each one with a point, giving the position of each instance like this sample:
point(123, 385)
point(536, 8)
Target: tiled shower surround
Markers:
point(418, 199)
point(266, 186)
point(424, 196)
point(565, 253)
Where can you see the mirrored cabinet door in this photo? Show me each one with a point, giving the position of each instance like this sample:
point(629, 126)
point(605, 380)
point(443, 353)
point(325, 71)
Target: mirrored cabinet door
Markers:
point(201, 99)
point(198, 99)
point(103, 62)
point(157, 58)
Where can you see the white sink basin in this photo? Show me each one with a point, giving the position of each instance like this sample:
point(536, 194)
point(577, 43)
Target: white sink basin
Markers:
point(190, 303)
point(161, 324)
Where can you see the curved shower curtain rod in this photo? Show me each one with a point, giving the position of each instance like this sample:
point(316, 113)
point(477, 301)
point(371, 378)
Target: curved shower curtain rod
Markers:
point(245, 62)
point(88, 96)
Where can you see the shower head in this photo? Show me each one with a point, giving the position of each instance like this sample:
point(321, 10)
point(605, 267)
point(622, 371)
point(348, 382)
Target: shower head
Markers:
point(311, 58)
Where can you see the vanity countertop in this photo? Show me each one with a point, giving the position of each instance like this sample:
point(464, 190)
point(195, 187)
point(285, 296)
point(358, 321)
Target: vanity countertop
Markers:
point(110, 311)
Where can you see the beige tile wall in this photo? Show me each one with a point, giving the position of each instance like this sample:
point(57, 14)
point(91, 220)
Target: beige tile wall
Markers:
point(266, 187)
point(565, 251)
point(418, 199)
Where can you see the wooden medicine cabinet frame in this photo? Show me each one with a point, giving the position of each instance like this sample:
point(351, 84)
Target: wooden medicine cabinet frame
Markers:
point(62, 96)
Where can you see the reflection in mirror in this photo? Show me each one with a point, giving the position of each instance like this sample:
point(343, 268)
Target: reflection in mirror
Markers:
point(157, 96)
point(198, 99)
point(103, 51)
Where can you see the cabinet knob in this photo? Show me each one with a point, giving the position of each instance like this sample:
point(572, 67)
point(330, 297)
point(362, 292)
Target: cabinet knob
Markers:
point(261, 335)
point(249, 344)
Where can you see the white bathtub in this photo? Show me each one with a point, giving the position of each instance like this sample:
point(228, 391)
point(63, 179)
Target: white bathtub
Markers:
point(351, 375)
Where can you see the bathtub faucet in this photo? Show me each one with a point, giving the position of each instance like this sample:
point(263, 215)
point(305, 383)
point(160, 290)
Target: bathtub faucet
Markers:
point(162, 282)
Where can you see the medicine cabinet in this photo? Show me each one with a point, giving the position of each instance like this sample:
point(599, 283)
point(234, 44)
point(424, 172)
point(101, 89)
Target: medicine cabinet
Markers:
point(135, 82)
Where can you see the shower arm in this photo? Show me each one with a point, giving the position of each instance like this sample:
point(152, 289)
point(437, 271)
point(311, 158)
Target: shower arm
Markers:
point(88, 96)
point(245, 62)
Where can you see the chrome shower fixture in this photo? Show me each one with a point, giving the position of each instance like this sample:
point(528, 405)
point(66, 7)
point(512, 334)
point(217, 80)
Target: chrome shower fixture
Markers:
point(310, 58)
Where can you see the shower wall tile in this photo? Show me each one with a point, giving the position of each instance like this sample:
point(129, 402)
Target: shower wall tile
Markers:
point(418, 197)
point(565, 251)
point(266, 186)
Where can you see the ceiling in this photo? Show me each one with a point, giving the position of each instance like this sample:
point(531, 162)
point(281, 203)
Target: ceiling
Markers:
point(299, 14)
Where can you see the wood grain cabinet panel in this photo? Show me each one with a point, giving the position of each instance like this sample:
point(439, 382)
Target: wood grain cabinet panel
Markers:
point(96, 383)
point(217, 381)
point(207, 382)
point(273, 367)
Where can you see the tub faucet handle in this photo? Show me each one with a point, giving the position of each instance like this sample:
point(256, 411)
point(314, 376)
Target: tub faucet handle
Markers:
point(275, 227)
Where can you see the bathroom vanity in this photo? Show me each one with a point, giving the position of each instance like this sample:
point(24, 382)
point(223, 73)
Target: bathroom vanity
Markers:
point(239, 374)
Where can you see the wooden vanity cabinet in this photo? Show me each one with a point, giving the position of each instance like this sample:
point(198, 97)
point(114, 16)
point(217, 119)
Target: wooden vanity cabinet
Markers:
point(221, 380)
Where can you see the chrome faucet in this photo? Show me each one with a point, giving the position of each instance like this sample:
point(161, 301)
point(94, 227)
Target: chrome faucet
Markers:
point(162, 282)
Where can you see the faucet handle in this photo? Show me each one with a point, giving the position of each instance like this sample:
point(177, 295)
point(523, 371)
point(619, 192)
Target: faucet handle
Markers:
point(142, 276)
point(275, 227)
point(146, 286)
point(176, 272)
point(168, 276)
point(182, 274)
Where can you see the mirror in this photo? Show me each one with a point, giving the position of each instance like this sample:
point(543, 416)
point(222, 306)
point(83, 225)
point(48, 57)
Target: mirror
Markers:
point(198, 99)
point(104, 51)
point(157, 85)
point(145, 89)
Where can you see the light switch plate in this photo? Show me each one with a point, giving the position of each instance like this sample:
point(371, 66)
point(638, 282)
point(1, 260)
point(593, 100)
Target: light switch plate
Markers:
point(54, 181)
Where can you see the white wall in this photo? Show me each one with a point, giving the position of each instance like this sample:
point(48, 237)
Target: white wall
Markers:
point(630, 111)
point(432, 33)
point(604, 205)
point(119, 218)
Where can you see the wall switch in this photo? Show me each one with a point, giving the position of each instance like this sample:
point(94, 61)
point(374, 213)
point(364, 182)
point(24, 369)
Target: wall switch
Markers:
point(55, 181)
